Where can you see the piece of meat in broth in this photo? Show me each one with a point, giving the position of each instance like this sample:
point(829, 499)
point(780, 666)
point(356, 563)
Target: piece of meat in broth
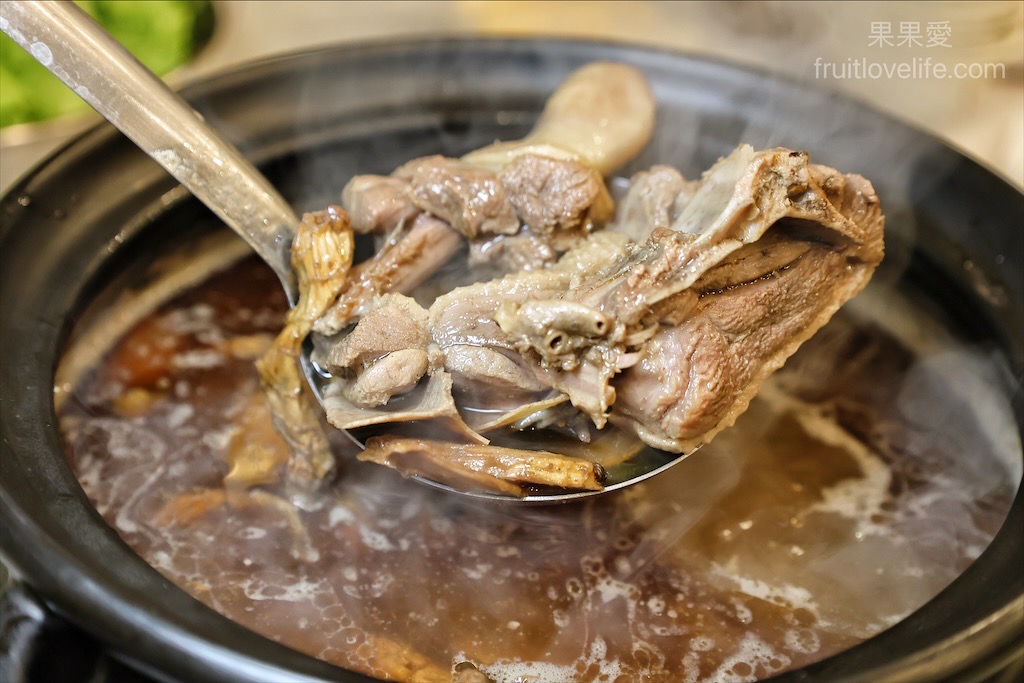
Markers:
point(559, 200)
point(469, 198)
point(520, 219)
point(404, 262)
point(512, 253)
point(518, 203)
point(655, 199)
point(378, 204)
point(386, 371)
point(385, 354)
point(487, 370)
point(738, 201)
point(488, 367)
point(763, 253)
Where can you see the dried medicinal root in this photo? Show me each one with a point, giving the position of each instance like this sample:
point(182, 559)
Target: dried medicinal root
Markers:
point(256, 452)
point(321, 257)
point(488, 468)
point(395, 661)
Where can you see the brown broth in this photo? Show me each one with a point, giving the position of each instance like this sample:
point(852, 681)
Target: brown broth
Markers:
point(838, 504)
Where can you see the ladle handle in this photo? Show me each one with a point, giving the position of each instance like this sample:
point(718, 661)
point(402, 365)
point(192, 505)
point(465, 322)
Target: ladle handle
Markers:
point(77, 50)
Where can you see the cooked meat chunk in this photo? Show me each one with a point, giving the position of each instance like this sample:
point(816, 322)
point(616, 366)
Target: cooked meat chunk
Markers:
point(559, 200)
point(696, 377)
point(393, 322)
point(490, 373)
point(655, 199)
point(385, 355)
point(760, 257)
point(482, 363)
point(768, 257)
point(401, 265)
point(429, 400)
point(489, 468)
point(553, 326)
point(513, 253)
point(377, 204)
point(469, 198)
point(391, 375)
point(477, 351)
point(738, 200)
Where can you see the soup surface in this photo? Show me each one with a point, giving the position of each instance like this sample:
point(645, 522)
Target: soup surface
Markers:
point(863, 479)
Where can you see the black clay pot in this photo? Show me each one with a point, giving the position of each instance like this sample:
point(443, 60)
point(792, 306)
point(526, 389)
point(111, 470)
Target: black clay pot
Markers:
point(313, 120)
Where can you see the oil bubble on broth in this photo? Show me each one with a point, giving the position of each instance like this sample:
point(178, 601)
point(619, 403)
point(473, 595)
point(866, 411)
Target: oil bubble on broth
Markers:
point(839, 503)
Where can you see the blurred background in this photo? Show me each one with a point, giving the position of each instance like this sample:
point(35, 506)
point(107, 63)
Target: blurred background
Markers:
point(887, 53)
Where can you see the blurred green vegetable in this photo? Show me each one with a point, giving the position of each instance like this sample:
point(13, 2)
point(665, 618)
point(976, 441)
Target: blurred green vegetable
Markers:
point(162, 34)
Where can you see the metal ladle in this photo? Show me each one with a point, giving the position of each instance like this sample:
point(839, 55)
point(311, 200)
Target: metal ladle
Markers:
point(77, 50)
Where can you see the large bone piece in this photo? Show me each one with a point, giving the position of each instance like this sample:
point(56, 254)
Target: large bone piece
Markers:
point(602, 115)
point(762, 254)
